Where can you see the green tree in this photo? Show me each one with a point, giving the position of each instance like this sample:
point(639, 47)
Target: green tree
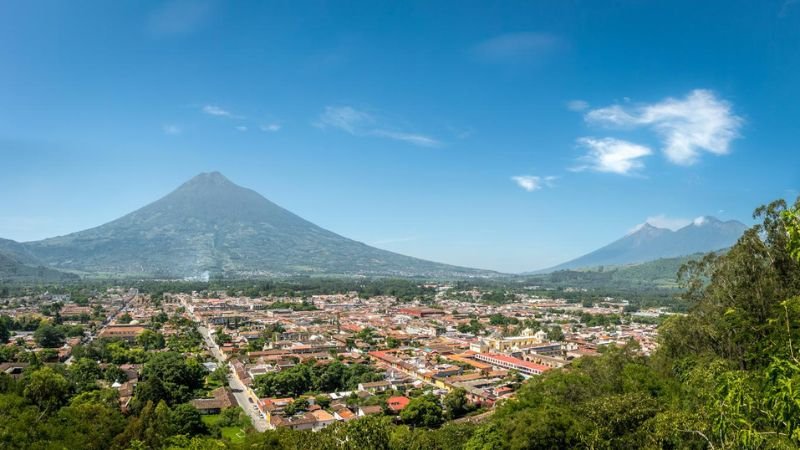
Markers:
point(125, 318)
point(47, 389)
point(456, 403)
point(5, 333)
point(49, 336)
point(423, 411)
point(151, 340)
point(84, 373)
point(179, 377)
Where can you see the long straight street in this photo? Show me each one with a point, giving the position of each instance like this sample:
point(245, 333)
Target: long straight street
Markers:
point(240, 392)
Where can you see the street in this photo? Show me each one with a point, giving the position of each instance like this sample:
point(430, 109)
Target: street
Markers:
point(240, 392)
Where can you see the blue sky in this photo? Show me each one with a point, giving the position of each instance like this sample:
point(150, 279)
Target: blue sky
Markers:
point(503, 135)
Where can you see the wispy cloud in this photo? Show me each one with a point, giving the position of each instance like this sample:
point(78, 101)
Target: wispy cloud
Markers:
point(577, 105)
point(697, 123)
point(345, 118)
point(171, 129)
point(611, 155)
point(361, 123)
point(270, 127)
point(416, 139)
point(517, 47)
point(213, 110)
point(179, 17)
point(533, 182)
point(241, 128)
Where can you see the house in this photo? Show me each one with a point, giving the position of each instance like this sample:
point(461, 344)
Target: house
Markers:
point(222, 398)
point(323, 418)
point(274, 405)
point(369, 410)
point(344, 415)
point(305, 422)
point(526, 368)
point(397, 404)
point(13, 369)
point(375, 386)
point(125, 332)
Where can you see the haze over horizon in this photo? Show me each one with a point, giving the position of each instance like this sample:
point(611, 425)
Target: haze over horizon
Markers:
point(513, 142)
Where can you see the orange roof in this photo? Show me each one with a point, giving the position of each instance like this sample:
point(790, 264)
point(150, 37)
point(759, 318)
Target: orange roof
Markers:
point(397, 403)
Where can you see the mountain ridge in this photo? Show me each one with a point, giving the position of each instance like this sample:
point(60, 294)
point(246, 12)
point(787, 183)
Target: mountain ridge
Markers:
point(649, 243)
point(211, 226)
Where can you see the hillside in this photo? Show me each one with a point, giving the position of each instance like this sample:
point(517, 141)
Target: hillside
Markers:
point(12, 269)
point(209, 226)
point(660, 273)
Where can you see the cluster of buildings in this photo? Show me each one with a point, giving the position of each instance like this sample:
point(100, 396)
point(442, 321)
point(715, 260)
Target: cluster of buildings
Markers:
point(455, 342)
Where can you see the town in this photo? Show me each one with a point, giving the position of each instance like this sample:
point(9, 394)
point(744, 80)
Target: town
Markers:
point(306, 362)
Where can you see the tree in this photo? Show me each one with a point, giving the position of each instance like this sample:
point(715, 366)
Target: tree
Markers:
point(296, 406)
point(423, 411)
point(456, 403)
point(5, 333)
point(87, 425)
point(555, 334)
point(151, 340)
point(392, 342)
point(185, 419)
point(125, 318)
point(179, 377)
point(49, 336)
point(84, 373)
point(47, 389)
point(219, 375)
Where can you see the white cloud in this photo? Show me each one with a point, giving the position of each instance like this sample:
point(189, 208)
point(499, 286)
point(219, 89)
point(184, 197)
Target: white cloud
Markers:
point(699, 122)
point(361, 123)
point(270, 127)
point(612, 155)
point(345, 118)
point(577, 105)
point(664, 221)
point(517, 47)
point(416, 139)
point(241, 128)
point(171, 129)
point(532, 182)
point(213, 110)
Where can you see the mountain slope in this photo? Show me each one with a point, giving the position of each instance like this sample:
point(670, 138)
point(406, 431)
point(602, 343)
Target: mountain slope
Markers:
point(211, 226)
point(649, 243)
point(13, 269)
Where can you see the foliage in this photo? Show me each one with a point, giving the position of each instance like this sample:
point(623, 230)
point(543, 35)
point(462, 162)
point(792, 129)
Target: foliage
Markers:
point(49, 336)
point(423, 411)
point(171, 377)
point(309, 377)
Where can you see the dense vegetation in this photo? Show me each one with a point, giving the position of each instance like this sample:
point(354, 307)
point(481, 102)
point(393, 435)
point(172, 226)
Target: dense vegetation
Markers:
point(725, 376)
point(309, 378)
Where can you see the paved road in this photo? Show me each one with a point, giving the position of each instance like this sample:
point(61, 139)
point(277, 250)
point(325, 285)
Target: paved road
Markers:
point(240, 392)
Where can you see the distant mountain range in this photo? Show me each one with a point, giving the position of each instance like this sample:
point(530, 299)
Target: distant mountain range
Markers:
point(649, 243)
point(209, 226)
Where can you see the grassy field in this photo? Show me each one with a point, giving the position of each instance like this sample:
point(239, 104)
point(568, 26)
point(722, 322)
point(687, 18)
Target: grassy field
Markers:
point(234, 434)
point(211, 419)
